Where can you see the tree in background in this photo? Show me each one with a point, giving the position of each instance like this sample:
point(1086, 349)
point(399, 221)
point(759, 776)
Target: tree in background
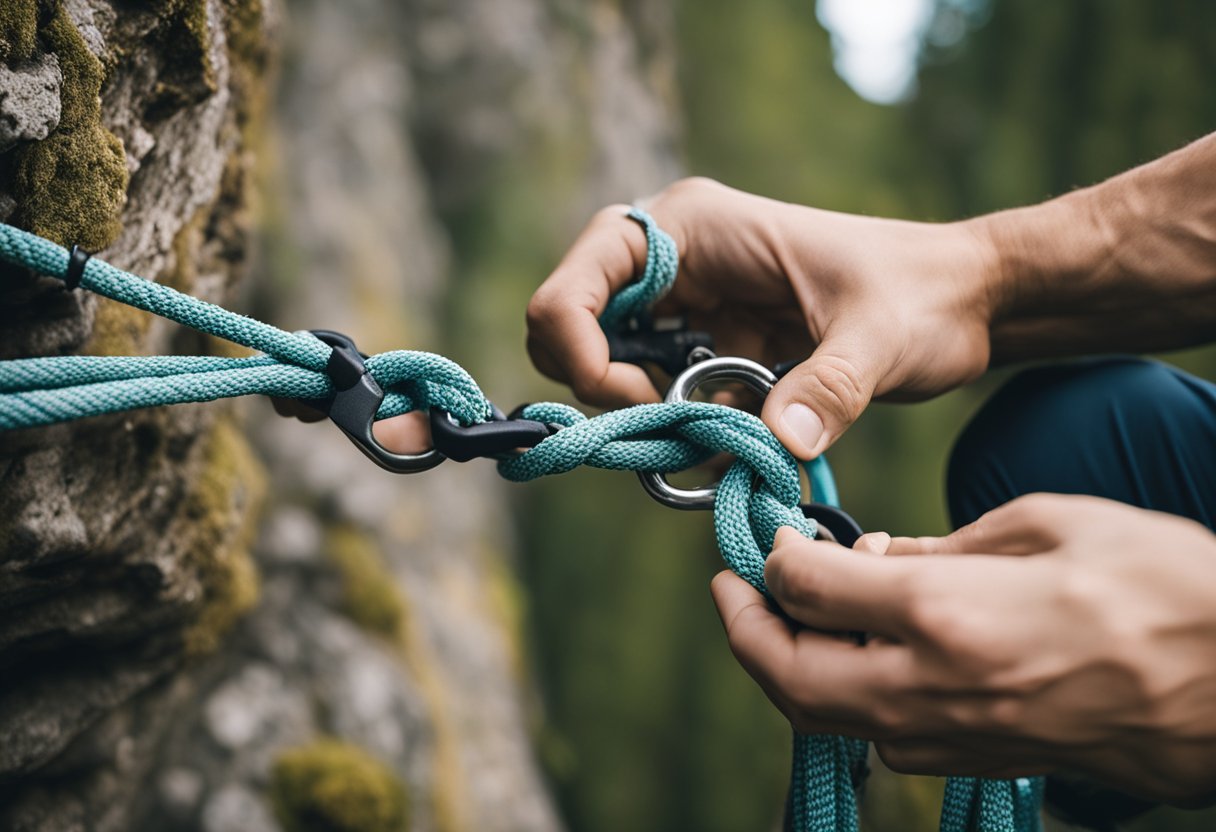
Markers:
point(1017, 101)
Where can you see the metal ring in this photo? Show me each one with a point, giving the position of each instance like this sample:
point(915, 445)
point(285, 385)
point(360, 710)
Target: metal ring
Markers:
point(755, 377)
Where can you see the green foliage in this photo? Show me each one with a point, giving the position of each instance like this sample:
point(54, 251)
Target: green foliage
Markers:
point(765, 111)
point(333, 786)
point(1048, 97)
point(71, 186)
point(653, 726)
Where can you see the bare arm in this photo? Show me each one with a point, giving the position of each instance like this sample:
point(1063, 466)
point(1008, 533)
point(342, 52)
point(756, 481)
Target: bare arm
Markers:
point(1127, 265)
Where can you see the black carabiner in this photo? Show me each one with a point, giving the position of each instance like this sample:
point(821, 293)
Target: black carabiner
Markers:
point(353, 406)
point(840, 527)
point(501, 435)
point(670, 349)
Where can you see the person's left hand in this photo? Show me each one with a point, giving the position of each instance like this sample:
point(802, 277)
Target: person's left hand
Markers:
point(1054, 633)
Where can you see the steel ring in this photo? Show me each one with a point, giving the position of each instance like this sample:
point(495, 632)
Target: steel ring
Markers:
point(755, 377)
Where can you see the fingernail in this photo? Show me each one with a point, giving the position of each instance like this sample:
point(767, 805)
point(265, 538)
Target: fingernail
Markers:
point(801, 422)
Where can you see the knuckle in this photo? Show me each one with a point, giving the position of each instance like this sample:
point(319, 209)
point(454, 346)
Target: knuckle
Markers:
point(937, 618)
point(839, 385)
point(1083, 591)
point(923, 603)
point(691, 186)
point(955, 629)
point(889, 722)
point(541, 308)
point(1038, 508)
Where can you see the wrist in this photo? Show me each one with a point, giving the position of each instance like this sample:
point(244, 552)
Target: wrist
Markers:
point(1043, 256)
point(1045, 264)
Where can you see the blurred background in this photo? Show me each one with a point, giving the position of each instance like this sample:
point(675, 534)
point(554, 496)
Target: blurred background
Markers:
point(452, 652)
point(526, 120)
point(907, 108)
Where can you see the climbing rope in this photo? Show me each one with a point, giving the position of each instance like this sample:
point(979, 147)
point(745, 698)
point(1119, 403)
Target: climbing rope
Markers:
point(759, 493)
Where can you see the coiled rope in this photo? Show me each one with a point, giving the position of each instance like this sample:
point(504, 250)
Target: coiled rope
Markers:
point(759, 493)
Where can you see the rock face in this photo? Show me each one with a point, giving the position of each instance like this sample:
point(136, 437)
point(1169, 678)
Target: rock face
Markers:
point(29, 101)
point(172, 657)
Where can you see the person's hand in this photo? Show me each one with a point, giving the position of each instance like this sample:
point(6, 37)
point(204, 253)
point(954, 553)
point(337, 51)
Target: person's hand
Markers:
point(889, 308)
point(409, 433)
point(1054, 633)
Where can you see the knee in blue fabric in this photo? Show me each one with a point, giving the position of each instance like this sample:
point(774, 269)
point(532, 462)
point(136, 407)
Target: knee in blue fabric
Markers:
point(1128, 429)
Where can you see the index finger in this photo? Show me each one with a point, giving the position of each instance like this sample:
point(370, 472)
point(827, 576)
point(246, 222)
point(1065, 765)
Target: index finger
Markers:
point(826, 682)
point(564, 336)
point(825, 585)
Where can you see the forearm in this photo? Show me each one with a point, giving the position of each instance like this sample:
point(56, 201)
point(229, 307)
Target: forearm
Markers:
point(1129, 264)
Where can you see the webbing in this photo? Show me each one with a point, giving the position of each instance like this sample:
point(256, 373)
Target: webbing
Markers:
point(759, 493)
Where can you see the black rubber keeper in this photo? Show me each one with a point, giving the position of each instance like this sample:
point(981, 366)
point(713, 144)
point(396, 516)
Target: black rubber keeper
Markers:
point(77, 260)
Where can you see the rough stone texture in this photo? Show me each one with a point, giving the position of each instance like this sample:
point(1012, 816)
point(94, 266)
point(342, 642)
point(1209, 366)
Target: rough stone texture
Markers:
point(106, 540)
point(390, 118)
point(29, 101)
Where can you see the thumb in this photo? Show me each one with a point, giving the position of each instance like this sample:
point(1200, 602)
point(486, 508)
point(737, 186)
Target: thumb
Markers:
point(816, 401)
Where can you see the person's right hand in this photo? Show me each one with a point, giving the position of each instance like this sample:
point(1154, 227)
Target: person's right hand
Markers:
point(881, 307)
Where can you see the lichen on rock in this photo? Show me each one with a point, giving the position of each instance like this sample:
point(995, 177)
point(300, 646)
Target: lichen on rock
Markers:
point(333, 786)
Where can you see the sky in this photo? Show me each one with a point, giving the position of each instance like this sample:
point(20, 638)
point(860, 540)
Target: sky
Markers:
point(876, 42)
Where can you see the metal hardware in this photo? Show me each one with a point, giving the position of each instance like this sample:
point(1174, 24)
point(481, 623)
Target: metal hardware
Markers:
point(354, 403)
point(670, 348)
point(756, 377)
point(495, 438)
point(835, 524)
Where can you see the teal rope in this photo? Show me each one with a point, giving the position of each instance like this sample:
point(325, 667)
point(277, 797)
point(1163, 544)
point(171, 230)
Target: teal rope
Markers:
point(43, 391)
point(759, 493)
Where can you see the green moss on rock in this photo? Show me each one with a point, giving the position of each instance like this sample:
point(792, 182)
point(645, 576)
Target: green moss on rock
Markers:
point(188, 76)
point(18, 30)
point(333, 786)
point(221, 512)
point(369, 593)
point(71, 186)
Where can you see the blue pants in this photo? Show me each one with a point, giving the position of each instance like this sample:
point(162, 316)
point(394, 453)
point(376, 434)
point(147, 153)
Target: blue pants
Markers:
point(1127, 429)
